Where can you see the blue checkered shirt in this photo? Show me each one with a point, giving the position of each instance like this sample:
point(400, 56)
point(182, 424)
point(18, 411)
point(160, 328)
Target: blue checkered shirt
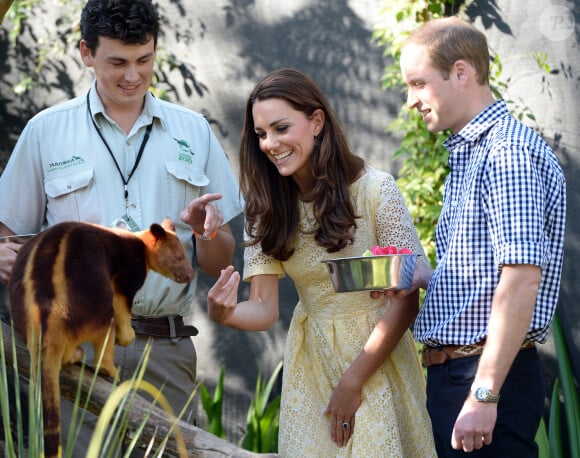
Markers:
point(504, 203)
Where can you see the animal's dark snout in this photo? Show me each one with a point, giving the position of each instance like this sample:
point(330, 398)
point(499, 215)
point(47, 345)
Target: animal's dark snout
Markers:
point(184, 275)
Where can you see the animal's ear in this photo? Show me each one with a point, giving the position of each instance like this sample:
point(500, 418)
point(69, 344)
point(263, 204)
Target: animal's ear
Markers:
point(168, 225)
point(157, 231)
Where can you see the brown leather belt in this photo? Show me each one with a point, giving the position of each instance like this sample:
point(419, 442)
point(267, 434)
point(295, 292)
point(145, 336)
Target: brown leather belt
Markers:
point(433, 356)
point(170, 326)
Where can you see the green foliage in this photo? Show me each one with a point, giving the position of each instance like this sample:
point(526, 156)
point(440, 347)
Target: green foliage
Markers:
point(263, 417)
point(552, 443)
point(262, 420)
point(17, 14)
point(541, 59)
point(398, 18)
point(213, 406)
point(424, 159)
point(555, 441)
point(422, 174)
point(423, 156)
point(53, 46)
point(12, 413)
point(542, 441)
point(570, 397)
point(50, 43)
point(110, 434)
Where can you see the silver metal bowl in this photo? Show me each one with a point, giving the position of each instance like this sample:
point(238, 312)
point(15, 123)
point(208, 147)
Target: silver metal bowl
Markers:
point(360, 273)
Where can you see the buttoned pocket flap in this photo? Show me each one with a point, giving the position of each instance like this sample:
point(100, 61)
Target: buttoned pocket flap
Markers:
point(62, 185)
point(195, 177)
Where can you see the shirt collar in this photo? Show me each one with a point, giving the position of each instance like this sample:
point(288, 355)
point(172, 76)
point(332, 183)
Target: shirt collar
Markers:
point(479, 125)
point(151, 110)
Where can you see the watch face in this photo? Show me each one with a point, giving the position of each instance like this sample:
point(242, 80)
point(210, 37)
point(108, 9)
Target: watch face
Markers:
point(485, 395)
point(480, 394)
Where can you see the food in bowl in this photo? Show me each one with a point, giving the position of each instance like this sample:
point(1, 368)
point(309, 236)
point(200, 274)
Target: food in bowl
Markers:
point(389, 249)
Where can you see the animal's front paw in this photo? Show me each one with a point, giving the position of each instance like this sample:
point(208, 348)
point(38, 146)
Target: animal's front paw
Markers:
point(125, 337)
point(109, 370)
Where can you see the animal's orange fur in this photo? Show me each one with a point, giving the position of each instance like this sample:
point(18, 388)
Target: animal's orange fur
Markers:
point(72, 284)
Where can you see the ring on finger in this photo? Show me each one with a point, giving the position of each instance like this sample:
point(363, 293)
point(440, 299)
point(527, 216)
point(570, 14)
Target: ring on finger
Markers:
point(345, 425)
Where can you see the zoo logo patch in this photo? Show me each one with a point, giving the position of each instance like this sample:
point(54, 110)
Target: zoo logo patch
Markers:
point(185, 153)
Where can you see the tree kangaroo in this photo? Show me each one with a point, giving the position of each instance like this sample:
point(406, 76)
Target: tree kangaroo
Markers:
point(70, 283)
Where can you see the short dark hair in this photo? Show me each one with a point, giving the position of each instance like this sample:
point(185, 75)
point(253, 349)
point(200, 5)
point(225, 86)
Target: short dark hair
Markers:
point(450, 39)
point(131, 21)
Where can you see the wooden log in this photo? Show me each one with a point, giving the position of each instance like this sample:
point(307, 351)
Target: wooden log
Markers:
point(198, 442)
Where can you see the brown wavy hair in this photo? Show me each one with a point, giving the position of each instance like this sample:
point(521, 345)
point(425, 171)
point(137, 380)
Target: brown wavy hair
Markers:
point(272, 206)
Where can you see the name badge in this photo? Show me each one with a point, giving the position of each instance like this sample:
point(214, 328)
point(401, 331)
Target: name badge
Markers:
point(127, 223)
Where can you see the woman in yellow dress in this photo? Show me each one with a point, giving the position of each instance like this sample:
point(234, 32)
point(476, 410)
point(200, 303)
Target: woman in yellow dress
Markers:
point(352, 382)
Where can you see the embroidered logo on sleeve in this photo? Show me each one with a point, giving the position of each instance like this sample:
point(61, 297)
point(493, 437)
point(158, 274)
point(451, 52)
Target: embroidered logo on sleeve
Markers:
point(185, 153)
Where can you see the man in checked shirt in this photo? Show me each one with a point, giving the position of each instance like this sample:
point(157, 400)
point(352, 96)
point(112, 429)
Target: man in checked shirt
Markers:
point(499, 245)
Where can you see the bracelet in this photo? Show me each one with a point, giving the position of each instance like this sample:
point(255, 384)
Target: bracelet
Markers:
point(204, 237)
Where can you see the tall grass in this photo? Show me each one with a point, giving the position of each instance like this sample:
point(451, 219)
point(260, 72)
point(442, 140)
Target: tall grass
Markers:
point(111, 433)
point(561, 440)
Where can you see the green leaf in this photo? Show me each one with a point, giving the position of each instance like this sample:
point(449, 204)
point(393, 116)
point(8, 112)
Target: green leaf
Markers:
point(262, 420)
point(571, 404)
point(555, 427)
point(212, 405)
point(543, 441)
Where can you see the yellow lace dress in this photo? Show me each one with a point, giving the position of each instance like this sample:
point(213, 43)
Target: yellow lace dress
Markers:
point(329, 329)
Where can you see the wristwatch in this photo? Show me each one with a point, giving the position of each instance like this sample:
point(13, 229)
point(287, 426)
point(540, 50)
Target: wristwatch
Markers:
point(484, 395)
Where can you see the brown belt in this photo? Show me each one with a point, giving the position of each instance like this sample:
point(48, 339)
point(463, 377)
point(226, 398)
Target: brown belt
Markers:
point(170, 326)
point(433, 356)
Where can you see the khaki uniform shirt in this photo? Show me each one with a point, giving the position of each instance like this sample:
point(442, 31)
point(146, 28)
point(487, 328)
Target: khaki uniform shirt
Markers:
point(60, 170)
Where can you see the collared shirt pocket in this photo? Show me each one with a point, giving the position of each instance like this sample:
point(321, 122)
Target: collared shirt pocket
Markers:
point(72, 197)
point(184, 184)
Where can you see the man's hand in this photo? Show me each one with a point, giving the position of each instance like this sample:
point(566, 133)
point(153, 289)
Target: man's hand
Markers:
point(421, 277)
point(474, 426)
point(8, 252)
point(202, 215)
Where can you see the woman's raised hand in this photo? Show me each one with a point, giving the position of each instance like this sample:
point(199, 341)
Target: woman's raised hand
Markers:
point(222, 298)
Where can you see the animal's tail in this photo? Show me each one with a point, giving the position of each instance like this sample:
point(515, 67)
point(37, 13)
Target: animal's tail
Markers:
point(51, 404)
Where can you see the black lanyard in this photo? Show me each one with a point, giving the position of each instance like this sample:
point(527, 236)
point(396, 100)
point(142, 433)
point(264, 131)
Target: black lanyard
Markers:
point(137, 160)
